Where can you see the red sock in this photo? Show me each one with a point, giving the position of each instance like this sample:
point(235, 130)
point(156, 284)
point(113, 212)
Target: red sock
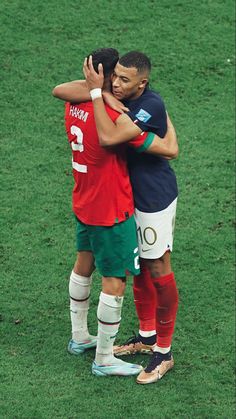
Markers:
point(167, 305)
point(145, 299)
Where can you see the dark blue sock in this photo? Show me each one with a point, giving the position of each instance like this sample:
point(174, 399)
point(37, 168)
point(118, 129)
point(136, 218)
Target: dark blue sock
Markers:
point(151, 340)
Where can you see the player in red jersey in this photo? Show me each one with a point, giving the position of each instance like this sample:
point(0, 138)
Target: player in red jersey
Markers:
point(155, 193)
point(98, 222)
point(103, 204)
point(102, 194)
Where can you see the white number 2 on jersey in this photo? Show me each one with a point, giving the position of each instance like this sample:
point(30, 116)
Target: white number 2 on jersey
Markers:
point(78, 146)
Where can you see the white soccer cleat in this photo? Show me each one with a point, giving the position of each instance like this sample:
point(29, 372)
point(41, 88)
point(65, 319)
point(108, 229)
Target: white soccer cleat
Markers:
point(122, 368)
point(77, 348)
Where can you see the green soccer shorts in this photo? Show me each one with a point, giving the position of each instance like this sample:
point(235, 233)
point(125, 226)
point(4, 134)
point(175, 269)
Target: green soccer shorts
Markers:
point(115, 248)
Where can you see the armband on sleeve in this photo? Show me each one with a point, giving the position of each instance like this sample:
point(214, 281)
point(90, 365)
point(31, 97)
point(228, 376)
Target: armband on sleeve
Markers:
point(142, 142)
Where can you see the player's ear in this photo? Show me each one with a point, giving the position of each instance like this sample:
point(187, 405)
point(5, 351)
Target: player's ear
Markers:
point(143, 83)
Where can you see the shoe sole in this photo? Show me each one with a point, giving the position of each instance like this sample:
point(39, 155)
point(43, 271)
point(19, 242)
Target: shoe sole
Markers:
point(102, 374)
point(72, 352)
point(154, 380)
point(80, 351)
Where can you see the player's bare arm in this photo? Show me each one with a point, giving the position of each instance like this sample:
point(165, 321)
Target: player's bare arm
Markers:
point(77, 91)
point(74, 91)
point(113, 102)
point(124, 129)
point(166, 147)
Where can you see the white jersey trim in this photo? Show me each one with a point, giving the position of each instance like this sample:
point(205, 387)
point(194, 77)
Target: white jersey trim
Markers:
point(82, 168)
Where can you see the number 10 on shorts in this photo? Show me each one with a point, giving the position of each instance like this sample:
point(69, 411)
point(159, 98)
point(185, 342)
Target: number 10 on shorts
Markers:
point(148, 235)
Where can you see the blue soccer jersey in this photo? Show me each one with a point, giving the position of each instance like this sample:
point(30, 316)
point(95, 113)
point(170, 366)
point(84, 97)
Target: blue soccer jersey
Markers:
point(153, 180)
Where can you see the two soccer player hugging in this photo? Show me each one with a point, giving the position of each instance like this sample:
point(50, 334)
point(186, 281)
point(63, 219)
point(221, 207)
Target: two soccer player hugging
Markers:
point(124, 200)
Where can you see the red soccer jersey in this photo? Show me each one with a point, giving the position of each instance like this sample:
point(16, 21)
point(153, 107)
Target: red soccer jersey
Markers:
point(102, 193)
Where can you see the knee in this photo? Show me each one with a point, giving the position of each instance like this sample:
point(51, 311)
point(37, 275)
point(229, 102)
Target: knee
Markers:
point(113, 286)
point(159, 267)
point(84, 264)
point(156, 267)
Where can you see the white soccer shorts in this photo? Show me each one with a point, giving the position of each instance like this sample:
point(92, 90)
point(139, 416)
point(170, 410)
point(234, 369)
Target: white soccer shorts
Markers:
point(156, 231)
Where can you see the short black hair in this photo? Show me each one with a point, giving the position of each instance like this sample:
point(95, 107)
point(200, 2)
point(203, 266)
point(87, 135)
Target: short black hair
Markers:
point(136, 59)
point(108, 57)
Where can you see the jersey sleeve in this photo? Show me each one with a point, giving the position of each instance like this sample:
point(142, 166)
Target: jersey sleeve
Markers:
point(142, 141)
point(112, 113)
point(150, 116)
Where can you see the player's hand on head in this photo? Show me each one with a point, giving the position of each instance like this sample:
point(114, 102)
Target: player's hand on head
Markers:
point(94, 80)
point(114, 103)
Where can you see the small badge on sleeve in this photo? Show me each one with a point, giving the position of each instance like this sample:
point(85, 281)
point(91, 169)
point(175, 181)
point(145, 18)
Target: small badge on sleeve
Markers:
point(143, 115)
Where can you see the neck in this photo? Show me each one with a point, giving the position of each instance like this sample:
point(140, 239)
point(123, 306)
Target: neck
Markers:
point(138, 94)
point(107, 85)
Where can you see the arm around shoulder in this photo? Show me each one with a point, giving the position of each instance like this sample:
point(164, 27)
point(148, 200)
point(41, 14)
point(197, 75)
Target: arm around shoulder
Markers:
point(112, 133)
point(166, 147)
point(74, 91)
point(171, 139)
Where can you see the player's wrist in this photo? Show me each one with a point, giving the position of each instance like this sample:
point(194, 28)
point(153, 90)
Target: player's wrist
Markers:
point(95, 93)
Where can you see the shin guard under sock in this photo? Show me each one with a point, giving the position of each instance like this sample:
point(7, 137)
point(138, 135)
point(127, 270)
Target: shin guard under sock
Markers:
point(109, 316)
point(145, 299)
point(79, 290)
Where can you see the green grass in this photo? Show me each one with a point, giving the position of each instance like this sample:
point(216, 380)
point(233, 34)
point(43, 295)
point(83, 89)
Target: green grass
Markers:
point(192, 49)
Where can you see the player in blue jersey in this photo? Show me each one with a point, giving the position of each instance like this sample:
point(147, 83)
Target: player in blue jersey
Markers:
point(155, 189)
point(155, 193)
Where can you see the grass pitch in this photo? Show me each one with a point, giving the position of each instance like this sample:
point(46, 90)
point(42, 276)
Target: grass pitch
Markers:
point(191, 45)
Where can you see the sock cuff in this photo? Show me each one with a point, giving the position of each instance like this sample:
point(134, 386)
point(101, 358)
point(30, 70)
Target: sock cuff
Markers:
point(162, 350)
point(147, 333)
point(109, 323)
point(111, 300)
point(84, 281)
point(79, 300)
point(164, 280)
